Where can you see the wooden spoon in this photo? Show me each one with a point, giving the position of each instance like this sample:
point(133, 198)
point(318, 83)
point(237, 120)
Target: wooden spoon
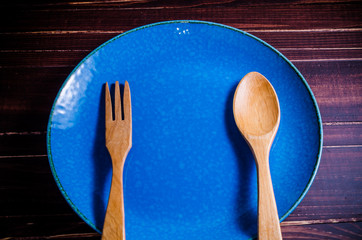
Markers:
point(257, 115)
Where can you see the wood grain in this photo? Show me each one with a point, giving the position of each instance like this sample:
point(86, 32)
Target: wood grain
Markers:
point(32, 144)
point(40, 57)
point(118, 142)
point(87, 40)
point(337, 86)
point(342, 134)
point(34, 207)
point(346, 231)
point(252, 16)
point(335, 193)
point(42, 41)
point(257, 115)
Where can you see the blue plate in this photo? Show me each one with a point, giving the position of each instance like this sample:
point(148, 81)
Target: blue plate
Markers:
point(189, 175)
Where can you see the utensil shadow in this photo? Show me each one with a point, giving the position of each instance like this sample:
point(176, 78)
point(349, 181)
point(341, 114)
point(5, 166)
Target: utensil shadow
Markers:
point(245, 212)
point(102, 166)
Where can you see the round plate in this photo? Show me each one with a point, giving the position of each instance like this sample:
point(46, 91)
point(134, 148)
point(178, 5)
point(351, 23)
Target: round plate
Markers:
point(189, 175)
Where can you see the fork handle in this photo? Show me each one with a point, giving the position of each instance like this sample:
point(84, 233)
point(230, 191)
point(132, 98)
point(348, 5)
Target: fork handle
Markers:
point(113, 228)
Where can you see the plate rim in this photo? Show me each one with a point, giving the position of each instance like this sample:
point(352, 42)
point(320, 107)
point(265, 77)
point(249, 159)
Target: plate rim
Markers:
point(317, 111)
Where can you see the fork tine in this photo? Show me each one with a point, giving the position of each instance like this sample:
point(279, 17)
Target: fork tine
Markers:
point(127, 103)
point(108, 104)
point(117, 103)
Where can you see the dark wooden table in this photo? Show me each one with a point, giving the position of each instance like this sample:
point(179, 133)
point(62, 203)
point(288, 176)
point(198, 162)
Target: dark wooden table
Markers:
point(42, 41)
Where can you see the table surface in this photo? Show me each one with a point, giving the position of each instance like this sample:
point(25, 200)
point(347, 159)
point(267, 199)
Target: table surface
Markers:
point(42, 41)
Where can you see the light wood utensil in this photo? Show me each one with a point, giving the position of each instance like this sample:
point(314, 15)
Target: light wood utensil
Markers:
point(257, 115)
point(118, 143)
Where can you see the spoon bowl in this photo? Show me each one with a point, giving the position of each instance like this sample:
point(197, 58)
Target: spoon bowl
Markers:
point(253, 93)
point(257, 115)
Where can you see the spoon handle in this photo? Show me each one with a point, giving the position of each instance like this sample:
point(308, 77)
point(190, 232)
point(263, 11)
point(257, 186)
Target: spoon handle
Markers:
point(268, 220)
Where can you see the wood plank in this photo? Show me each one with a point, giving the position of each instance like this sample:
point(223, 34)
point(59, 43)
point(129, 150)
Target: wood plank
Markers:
point(70, 58)
point(13, 144)
point(27, 95)
point(328, 197)
point(90, 39)
point(76, 236)
point(59, 40)
point(145, 4)
point(28, 188)
point(336, 190)
point(259, 16)
point(324, 54)
point(36, 59)
point(22, 143)
point(47, 230)
point(42, 212)
point(337, 86)
point(347, 231)
point(60, 226)
point(342, 134)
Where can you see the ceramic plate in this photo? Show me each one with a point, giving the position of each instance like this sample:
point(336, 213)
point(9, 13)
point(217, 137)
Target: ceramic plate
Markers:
point(189, 175)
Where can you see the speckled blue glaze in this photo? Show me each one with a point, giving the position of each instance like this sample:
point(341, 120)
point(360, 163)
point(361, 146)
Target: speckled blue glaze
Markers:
point(189, 175)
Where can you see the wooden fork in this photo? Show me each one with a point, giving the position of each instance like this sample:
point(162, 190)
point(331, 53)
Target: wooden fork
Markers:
point(118, 143)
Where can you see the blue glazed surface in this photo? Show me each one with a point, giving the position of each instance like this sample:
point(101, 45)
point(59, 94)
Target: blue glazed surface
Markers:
point(189, 175)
